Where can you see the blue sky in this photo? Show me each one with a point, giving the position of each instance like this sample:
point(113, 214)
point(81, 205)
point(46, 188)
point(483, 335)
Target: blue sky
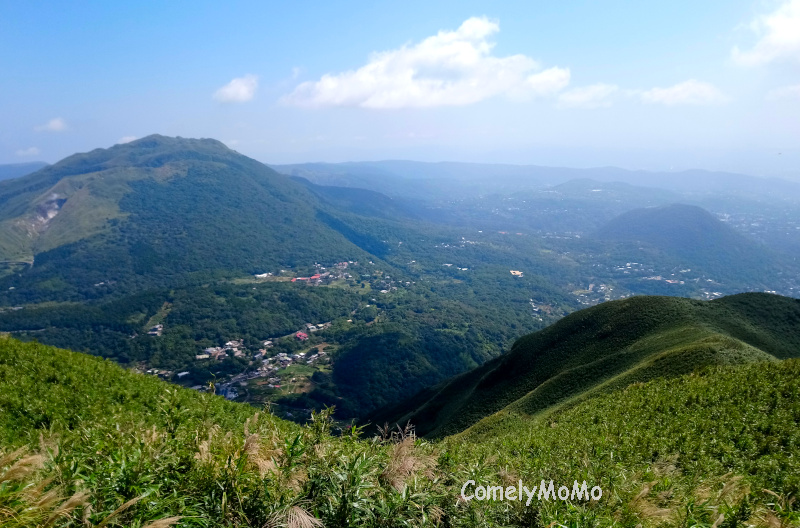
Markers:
point(655, 85)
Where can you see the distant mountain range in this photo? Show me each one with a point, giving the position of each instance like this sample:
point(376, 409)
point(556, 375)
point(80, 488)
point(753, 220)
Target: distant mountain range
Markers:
point(15, 170)
point(604, 348)
point(460, 180)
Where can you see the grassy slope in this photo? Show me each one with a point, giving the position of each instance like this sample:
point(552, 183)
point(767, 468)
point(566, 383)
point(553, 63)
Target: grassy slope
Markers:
point(607, 347)
point(46, 388)
point(677, 452)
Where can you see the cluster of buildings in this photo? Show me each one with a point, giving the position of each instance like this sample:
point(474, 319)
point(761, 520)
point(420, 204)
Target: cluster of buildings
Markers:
point(317, 327)
point(322, 275)
point(235, 347)
point(273, 365)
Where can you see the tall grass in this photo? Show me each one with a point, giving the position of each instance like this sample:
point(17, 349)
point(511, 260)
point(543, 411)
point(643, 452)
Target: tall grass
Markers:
point(714, 449)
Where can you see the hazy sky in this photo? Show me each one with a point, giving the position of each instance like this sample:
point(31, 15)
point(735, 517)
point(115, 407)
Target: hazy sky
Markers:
point(658, 85)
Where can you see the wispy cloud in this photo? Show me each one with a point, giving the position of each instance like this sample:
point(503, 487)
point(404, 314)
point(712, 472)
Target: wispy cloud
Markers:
point(54, 125)
point(691, 92)
point(126, 139)
point(778, 37)
point(785, 92)
point(451, 68)
point(31, 151)
point(239, 90)
point(593, 96)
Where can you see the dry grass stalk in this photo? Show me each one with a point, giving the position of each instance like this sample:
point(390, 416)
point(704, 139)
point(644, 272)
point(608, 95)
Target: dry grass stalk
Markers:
point(45, 500)
point(252, 420)
point(152, 437)
point(734, 490)
point(13, 455)
point(405, 462)
point(119, 510)
point(35, 493)
point(436, 514)
point(78, 499)
point(296, 480)
point(204, 449)
point(297, 517)
point(387, 434)
point(87, 512)
point(259, 456)
point(646, 509)
point(666, 466)
point(48, 445)
point(768, 519)
point(507, 477)
point(166, 522)
point(22, 468)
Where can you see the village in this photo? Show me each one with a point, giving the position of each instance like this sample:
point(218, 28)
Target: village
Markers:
point(279, 364)
point(322, 276)
point(264, 366)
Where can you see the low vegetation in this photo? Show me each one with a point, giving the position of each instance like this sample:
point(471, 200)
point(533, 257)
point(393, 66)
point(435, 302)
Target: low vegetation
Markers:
point(85, 443)
point(604, 348)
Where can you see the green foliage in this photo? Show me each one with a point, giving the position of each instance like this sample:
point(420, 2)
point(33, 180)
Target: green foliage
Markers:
point(159, 212)
point(607, 347)
point(422, 334)
point(113, 448)
point(696, 239)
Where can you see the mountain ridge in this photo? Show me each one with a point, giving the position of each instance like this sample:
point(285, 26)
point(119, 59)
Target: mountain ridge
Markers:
point(620, 342)
point(173, 206)
point(374, 175)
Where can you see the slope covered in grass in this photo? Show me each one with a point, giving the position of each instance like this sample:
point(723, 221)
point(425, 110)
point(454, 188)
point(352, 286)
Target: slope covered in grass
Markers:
point(608, 347)
point(717, 446)
point(102, 444)
point(105, 447)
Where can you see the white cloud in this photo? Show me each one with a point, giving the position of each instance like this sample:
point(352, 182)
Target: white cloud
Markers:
point(126, 139)
point(239, 90)
point(593, 96)
point(54, 125)
point(451, 68)
point(778, 37)
point(689, 92)
point(32, 151)
point(785, 92)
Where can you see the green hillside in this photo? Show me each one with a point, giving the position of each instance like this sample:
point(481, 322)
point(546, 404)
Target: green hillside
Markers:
point(85, 443)
point(693, 238)
point(604, 348)
point(155, 212)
